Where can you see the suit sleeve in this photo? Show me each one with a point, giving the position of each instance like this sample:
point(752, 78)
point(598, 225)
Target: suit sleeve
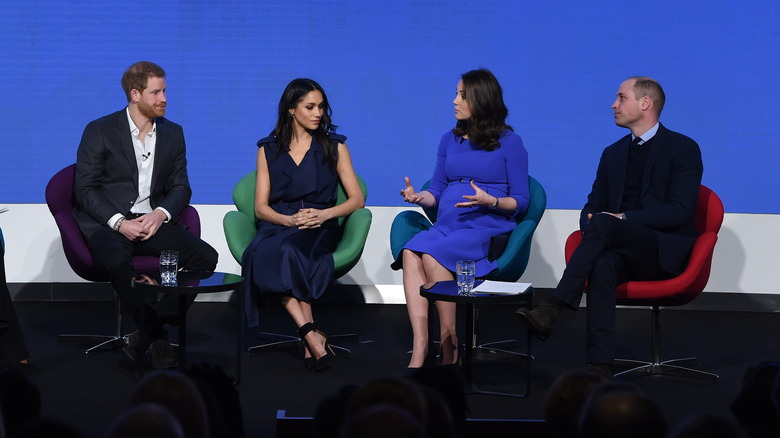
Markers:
point(598, 198)
point(91, 185)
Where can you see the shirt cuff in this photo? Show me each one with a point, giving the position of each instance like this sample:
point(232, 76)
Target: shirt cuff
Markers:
point(167, 215)
point(113, 220)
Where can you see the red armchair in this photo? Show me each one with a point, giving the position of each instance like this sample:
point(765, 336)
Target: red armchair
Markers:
point(675, 291)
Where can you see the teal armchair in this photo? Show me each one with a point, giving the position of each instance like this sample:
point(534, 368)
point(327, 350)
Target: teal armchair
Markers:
point(514, 259)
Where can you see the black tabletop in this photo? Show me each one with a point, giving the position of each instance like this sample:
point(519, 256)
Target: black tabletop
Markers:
point(448, 291)
point(191, 282)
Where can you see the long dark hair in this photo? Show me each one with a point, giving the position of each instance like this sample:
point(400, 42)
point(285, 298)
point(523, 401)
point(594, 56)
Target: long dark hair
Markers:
point(293, 94)
point(488, 112)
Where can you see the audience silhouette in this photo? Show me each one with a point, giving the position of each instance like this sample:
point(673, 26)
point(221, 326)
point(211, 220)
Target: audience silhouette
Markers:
point(147, 420)
point(753, 407)
point(563, 405)
point(619, 410)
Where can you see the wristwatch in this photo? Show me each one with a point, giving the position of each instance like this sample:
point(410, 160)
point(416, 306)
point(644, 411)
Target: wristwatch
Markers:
point(495, 204)
point(118, 223)
point(622, 216)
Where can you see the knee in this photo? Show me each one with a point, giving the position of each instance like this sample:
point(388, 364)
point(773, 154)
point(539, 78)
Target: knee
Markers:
point(410, 258)
point(117, 263)
point(205, 258)
point(430, 264)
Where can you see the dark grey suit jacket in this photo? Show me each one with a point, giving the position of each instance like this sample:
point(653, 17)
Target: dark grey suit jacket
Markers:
point(670, 188)
point(107, 173)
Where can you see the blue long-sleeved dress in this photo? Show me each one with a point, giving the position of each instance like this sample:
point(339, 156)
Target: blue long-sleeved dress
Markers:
point(464, 233)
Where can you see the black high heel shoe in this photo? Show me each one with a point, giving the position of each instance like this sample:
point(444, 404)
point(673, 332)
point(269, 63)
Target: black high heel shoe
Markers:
point(318, 363)
point(308, 362)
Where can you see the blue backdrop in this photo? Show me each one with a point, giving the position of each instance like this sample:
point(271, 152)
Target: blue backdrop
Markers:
point(390, 70)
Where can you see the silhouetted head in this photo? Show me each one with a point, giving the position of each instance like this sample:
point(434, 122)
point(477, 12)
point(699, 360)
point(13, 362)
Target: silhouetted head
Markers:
point(147, 420)
point(620, 413)
point(565, 399)
point(177, 393)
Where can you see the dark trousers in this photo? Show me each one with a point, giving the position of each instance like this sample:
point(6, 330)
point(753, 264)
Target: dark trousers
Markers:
point(612, 252)
point(116, 252)
point(13, 349)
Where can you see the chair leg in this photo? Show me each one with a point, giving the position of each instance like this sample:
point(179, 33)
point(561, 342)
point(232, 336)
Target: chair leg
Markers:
point(658, 367)
point(99, 342)
point(285, 340)
point(493, 346)
point(295, 342)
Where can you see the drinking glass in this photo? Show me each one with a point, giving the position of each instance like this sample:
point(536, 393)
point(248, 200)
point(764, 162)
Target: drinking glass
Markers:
point(465, 277)
point(169, 265)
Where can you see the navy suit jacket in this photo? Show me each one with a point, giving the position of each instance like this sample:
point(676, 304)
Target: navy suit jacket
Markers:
point(670, 188)
point(106, 181)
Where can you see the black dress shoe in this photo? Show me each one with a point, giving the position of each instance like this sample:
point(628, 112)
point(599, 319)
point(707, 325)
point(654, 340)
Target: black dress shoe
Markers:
point(540, 320)
point(133, 345)
point(163, 354)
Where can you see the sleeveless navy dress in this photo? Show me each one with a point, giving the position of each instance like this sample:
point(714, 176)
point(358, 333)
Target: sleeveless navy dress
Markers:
point(284, 260)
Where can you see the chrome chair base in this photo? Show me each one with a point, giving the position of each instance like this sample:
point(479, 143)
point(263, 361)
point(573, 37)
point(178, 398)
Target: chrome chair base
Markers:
point(99, 343)
point(295, 342)
point(665, 368)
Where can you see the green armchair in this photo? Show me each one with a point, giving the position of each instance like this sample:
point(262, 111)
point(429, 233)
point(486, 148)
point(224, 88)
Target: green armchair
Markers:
point(241, 226)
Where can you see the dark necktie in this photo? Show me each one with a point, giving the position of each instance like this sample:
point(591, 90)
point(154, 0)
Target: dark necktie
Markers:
point(636, 141)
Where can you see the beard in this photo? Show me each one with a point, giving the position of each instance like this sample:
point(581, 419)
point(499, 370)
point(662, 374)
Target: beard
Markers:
point(151, 111)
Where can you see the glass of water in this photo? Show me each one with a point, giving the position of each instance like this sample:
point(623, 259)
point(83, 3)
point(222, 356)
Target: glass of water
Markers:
point(465, 276)
point(169, 265)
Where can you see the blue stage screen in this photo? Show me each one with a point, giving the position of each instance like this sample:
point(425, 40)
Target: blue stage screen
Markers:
point(390, 71)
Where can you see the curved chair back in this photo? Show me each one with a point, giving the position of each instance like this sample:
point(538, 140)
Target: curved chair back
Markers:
point(61, 201)
point(688, 285)
point(241, 226)
point(514, 259)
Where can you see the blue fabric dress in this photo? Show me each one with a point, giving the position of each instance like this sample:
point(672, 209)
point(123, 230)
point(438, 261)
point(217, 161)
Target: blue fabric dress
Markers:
point(464, 233)
point(285, 260)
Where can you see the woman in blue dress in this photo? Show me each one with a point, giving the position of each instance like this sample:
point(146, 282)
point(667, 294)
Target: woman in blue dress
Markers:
point(298, 168)
point(479, 185)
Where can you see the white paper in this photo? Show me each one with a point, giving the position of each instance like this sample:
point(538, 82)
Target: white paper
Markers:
point(501, 287)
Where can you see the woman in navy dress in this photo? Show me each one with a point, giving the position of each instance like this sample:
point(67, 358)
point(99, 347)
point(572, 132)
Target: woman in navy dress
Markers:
point(479, 185)
point(298, 169)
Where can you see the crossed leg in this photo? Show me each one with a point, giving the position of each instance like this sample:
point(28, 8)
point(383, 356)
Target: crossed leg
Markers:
point(301, 313)
point(420, 268)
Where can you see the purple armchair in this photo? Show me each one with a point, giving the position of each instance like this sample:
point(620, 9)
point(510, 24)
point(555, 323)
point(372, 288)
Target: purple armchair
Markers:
point(60, 199)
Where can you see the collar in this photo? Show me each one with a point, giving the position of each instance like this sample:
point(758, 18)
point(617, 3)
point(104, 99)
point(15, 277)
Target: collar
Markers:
point(647, 135)
point(134, 129)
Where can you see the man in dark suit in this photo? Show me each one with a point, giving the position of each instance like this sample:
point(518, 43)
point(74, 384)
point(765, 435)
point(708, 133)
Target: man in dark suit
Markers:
point(131, 184)
point(638, 223)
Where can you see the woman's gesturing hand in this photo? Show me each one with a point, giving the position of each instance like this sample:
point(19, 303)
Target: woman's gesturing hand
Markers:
point(409, 194)
point(480, 197)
